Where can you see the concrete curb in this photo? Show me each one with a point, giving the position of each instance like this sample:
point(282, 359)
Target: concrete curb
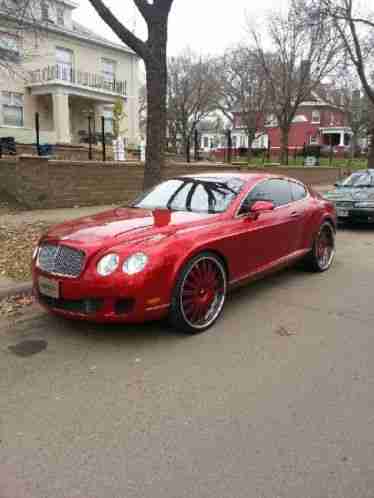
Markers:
point(16, 288)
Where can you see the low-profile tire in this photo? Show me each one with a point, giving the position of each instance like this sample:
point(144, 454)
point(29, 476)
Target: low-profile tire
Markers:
point(322, 255)
point(199, 294)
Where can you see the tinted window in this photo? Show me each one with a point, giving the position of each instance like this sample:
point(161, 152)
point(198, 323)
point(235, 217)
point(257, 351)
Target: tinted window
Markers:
point(200, 195)
point(276, 191)
point(298, 191)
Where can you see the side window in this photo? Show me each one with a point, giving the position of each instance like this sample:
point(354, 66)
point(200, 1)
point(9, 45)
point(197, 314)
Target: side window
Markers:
point(276, 191)
point(259, 193)
point(279, 192)
point(298, 191)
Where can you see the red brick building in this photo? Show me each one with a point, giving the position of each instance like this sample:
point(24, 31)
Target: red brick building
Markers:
point(317, 122)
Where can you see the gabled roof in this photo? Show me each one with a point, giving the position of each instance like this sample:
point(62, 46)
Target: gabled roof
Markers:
point(87, 34)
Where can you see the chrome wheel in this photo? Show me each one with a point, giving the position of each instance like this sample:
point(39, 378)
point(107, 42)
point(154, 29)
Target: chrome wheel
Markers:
point(202, 292)
point(325, 247)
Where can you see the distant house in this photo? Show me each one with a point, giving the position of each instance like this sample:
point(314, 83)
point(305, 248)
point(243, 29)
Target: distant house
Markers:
point(317, 122)
point(72, 73)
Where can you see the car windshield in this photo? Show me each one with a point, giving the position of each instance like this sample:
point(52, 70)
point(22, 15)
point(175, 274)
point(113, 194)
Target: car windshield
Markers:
point(359, 179)
point(197, 195)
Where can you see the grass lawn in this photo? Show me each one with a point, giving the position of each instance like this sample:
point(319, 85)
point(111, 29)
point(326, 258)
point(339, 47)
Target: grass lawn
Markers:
point(298, 162)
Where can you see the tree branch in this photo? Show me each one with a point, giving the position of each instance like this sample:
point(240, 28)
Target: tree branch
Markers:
point(119, 29)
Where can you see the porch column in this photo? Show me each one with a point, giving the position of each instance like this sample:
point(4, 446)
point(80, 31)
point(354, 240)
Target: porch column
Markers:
point(341, 144)
point(61, 117)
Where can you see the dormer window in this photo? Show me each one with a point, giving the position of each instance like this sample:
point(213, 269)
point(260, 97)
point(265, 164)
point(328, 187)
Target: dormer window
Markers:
point(60, 16)
point(316, 117)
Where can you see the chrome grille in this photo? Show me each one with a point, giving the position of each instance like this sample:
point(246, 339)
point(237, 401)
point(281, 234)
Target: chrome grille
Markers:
point(61, 260)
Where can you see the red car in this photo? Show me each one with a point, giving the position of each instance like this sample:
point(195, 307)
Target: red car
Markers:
point(179, 248)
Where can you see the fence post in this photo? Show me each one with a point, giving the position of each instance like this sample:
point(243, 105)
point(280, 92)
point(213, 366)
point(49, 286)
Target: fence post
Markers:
point(89, 139)
point(37, 130)
point(103, 137)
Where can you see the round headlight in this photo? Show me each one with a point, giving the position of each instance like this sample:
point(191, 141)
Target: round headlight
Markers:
point(107, 265)
point(135, 263)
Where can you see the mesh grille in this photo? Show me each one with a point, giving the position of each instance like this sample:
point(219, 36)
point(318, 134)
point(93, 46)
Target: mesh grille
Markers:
point(61, 260)
point(344, 204)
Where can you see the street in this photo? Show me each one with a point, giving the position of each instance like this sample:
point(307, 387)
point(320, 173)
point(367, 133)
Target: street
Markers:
point(277, 400)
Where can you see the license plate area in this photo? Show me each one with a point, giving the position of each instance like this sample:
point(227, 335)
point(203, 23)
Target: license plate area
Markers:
point(342, 213)
point(49, 287)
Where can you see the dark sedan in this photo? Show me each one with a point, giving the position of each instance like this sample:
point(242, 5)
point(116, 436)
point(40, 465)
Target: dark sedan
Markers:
point(354, 197)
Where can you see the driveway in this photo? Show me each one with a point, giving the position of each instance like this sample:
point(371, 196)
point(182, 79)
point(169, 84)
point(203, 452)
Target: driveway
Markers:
point(276, 401)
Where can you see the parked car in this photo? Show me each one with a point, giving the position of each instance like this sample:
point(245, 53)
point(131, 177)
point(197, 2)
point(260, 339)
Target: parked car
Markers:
point(354, 197)
point(180, 247)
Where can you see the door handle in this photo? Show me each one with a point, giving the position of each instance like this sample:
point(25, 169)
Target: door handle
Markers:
point(295, 214)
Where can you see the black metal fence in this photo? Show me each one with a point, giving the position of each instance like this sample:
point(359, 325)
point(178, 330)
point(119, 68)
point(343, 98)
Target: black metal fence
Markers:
point(60, 72)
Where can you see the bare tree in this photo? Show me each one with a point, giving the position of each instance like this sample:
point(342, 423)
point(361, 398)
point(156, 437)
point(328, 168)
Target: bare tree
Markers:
point(20, 20)
point(355, 29)
point(192, 87)
point(243, 90)
point(300, 55)
point(153, 52)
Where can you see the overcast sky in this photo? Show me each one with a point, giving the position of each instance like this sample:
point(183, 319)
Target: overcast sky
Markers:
point(207, 26)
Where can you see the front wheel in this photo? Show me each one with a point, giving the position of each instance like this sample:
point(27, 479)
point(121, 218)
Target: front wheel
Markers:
point(322, 255)
point(199, 294)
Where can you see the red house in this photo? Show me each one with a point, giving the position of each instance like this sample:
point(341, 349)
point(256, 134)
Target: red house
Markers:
point(317, 122)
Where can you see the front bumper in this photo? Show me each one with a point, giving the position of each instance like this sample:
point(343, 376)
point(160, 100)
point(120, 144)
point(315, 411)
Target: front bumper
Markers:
point(358, 215)
point(114, 299)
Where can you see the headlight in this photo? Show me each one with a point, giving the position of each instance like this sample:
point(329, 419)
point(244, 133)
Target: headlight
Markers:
point(135, 263)
point(365, 204)
point(107, 265)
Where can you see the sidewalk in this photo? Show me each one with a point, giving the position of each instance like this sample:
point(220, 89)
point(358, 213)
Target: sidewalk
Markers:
point(52, 216)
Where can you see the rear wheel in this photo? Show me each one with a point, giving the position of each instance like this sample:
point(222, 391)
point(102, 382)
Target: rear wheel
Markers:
point(199, 294)
point(322, 255)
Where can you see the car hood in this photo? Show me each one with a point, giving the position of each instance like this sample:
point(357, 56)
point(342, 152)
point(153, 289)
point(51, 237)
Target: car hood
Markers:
point(123, 225)
point(349, 194)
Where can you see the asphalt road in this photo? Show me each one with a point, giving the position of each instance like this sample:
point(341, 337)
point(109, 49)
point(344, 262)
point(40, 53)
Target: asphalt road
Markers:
point(276, 401)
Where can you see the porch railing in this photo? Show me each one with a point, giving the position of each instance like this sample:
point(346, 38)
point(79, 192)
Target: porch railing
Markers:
point(76, 77)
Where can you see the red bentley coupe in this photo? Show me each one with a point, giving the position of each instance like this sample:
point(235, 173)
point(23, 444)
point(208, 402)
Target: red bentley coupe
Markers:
point(179, 248)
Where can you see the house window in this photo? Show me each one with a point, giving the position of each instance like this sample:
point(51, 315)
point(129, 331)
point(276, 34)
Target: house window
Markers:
point(64, 59)
point(109, 71)
point(313, 140)
point(9, 42)
point(271, 120)
point(316, 117)
point(12, 104)
point(206, 142)
point(234, 141)
point(44, 10)
point(60, 16)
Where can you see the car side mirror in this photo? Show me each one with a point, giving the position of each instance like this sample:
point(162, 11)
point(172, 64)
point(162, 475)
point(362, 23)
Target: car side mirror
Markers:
point(261, 207)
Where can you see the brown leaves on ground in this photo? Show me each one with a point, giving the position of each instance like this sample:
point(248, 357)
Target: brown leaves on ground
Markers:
point(15, 305)
point(16, 247)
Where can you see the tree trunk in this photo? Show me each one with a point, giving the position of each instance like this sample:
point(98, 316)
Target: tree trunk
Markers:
point(249, 150)
point(284, 146)
point(188, 149)
point(156, 69)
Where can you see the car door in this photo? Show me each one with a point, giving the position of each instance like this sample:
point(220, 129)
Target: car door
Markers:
point(259, 242)
point(300, 213)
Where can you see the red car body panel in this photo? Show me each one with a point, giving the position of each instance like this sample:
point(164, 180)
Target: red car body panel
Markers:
point(249, 246)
